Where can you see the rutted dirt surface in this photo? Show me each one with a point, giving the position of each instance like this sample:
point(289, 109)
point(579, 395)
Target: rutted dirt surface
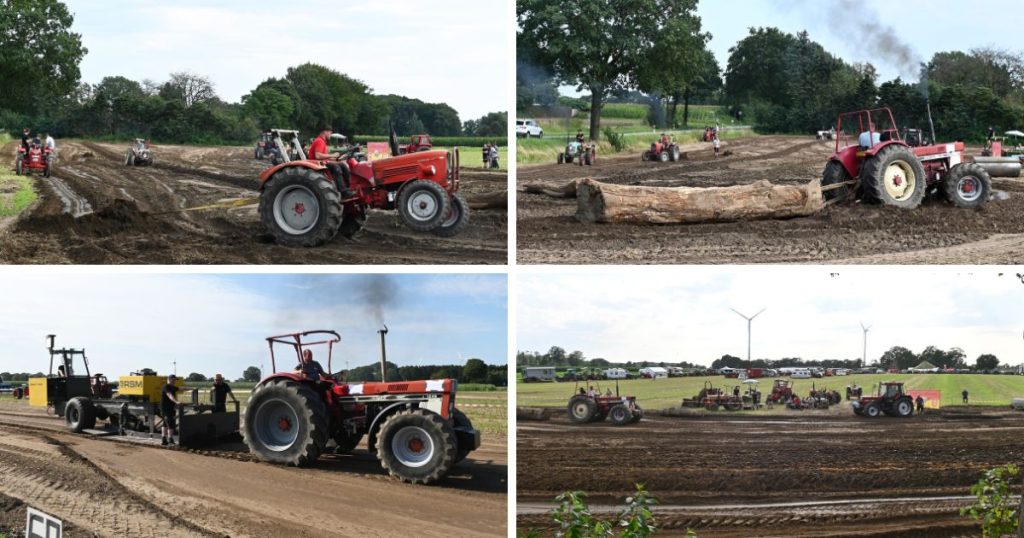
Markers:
point(812, 474)
point(935, 233)
point(119, 488)
point(96, 210)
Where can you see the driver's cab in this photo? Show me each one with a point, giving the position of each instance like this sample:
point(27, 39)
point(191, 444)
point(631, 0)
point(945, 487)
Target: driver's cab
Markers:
point(892, 390)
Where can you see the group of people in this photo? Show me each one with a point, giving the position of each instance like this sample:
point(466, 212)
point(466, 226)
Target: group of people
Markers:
point(169, 403)
point(490, 156)
point(29, 141)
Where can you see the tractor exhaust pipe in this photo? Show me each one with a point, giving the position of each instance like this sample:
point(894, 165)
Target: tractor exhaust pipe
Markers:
point(931, 124)
point(383, 354)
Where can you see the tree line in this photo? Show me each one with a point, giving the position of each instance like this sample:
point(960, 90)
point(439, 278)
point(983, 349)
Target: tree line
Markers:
point(474, 371)
point(40, 88)
point(896, 357)
point(779, 82)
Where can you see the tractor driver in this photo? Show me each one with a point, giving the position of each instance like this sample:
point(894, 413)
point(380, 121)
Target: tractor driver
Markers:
point(579, 137)
point(318, 152)
point(309, 368)
point(664, 140)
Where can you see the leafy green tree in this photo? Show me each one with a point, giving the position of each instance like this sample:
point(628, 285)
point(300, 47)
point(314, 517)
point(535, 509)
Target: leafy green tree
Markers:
point(601, 45)
point(986, 362)
point(475, 371)
point(324, 95)
point(681, 62)
point(270, 108)
point(251, 374)
point(494, 124)
point(898, 357)
point(195, 376)
point(39, 54)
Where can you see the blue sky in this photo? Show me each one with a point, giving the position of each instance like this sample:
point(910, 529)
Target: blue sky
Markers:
point(683, 314)
point(453, 51)
point(217, 323)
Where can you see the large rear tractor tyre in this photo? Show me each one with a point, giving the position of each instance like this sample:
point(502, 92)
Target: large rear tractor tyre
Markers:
point(460, 420)
point(904, 408)
point(416, 446)
point(581, 409)
point(285, 422)
point(620, 415)
point(872, 410)
point(458, 219)
point(424, 205)
point(894, 177)
point(675, 154)
point(967, 186)
point(646, 156)
point(835, 173)
point(300, 207)
point(79, 414)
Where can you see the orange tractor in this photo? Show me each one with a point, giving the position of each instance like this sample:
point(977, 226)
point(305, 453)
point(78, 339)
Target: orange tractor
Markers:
point(36, 159)
point(412, 427)
point(591, 406)
point(663, 150)
point(301, 204)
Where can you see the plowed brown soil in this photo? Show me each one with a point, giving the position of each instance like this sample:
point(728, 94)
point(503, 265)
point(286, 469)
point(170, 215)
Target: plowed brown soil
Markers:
point(106, 487)
point(96, 210)
point(811, 474)
point(936, 233)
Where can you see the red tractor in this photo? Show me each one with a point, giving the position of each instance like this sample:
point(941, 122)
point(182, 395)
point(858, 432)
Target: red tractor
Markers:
point(890, 400)
point(412, 427)
point(301, 205)
point(419, 143)
point(664, 150)
point(885, 167)
point(709, 134)
point(591, 406)
point(782, 391)
point(35, 159)
point(713, 398)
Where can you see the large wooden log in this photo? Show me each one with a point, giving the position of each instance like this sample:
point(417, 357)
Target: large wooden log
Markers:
point(565, 191)
point(605, 202)
point(489, 200)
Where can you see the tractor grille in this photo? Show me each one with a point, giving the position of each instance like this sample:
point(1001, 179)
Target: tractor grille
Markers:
point(400, 171)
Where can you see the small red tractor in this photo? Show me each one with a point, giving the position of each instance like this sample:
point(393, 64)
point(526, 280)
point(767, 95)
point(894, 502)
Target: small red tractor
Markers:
point(663, 150)
point(782, 391)
point(139, 154)
point(709, 134)
point(36, 159)
point(591, 406)
point(854, 392)
point(419, 143)
point(713, 398)
point(821, 398)
point(891, 400)
point(412, 427)
point(301, 205)
point(886, 167)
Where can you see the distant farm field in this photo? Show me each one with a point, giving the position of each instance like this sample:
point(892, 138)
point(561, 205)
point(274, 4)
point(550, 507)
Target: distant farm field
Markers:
point(989, 390)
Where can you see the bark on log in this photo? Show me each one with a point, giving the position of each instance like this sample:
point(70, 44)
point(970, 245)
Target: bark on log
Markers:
point(566, 191)
point(604, 202)
point(490, 200)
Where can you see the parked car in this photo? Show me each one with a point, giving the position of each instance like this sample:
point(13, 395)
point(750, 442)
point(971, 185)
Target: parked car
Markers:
point(616, 373)
point(528, 128)
point(800, 373)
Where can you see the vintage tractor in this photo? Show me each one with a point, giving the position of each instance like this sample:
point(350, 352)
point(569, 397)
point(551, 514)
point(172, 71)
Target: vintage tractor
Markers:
point(36, 159)
point(713, 398)
point(412, 427)
point(883, 167)
point(662, 151)
point(890, 400)
point(418, 143)
point(579, 152)
point(821, 398)
point(301, 205)
point(591, 406)
point(782, 391)
point(265, 146)
point(709, 134)
point(284, 146)
point(854, 392)
point(139, 154)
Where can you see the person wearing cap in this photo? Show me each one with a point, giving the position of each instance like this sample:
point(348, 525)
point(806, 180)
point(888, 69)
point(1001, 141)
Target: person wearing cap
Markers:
point(168, 409)
point(220, 392)
point(318, 152)
point(309, 368)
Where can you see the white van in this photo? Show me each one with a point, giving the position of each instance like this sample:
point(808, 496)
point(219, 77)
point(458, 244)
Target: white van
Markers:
point(616, 373)
point(654, 372)
point(800, 373)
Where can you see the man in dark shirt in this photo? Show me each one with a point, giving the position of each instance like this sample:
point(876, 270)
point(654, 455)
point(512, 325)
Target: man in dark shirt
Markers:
point(26, 138)
point(168, 409)
point(309, 368)
point(220, 393)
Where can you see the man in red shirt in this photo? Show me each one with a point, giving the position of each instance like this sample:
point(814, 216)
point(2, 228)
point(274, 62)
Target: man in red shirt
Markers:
point(318, 152)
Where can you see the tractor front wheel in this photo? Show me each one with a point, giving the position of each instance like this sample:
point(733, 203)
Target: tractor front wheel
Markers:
point(621, 415)
point(424, 205)
point(581, 409)
point(675, 153)
point(894, 176)
point(646, 156)
point(18, 166)
point(835, 173)
point(79, 414)
point(872, 410)
point(285, 422)
point(416, 446)
point(904, 408)
point(300, 207)
point(663, 156)
point(561, 158)
point(458, 219)
point(967, 186)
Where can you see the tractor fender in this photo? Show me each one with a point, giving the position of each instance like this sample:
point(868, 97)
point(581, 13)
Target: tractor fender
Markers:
point(280, 375)
point(269, 172)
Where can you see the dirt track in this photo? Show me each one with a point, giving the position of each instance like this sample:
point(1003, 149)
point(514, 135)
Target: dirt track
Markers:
point(122, 216)
point(809, 474)
point(114, 488)
point(936, 233)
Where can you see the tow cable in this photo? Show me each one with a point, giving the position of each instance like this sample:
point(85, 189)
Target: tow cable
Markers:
point(241, 202)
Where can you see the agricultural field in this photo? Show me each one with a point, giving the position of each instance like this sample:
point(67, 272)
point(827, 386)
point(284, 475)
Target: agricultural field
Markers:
point(853, 233)
point(984, 390)
point(96, 210)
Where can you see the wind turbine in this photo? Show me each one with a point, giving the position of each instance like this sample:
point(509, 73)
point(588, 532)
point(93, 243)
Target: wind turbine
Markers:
point(864, 357)
point(750, 321)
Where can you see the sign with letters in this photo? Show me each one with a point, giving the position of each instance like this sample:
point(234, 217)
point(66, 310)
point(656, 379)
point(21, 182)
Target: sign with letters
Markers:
point(40, 525)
